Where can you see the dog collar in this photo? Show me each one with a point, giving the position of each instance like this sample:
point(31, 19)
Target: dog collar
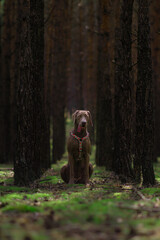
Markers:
point(80, 141)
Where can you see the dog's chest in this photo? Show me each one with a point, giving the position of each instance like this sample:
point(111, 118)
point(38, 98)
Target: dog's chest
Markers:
point(78, 147)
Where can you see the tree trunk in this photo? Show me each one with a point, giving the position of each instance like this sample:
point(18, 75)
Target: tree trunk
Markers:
point(8, 81)
point(144, 98)
point(90, 61)
point(32, 146)
point(136, 164)
point(1, 93)
point(5, 107)
point(104, 139)
point(13, 79)
point(59, 77)
point(123, 103)
point(75, 82)
point(155, 46)
point(48, 68)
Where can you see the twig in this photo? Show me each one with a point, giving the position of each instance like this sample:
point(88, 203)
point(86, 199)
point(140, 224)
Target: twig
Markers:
point(105, 34)
point(134, 64)
point(140, 194)
point(49, 15)
point(114, 62)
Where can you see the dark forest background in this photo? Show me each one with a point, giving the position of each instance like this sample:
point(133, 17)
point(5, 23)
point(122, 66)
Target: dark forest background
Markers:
point(99, 55)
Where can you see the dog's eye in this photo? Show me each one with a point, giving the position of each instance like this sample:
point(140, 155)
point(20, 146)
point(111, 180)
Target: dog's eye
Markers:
point(86, 116)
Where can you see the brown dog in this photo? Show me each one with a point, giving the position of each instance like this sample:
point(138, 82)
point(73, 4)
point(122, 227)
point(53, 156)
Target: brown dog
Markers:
point(78, 169)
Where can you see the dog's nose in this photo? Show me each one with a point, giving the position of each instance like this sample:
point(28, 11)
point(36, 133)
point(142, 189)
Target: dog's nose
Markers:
point(83, 124)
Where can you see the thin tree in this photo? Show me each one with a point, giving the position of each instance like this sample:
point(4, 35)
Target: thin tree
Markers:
point(1, 91)
point(155, 43)
point(59, 61)
point(75, 81)
point(136, 164)
point(144, 98)
point(31, 143)
point(104, 137)
point(5, 83)
point(123, 103)
point(13, 78)
point(90, 64)
point(8, 78)
point(48, 7)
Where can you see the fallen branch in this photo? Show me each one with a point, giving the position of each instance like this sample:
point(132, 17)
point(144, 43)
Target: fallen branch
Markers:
point(140, 194)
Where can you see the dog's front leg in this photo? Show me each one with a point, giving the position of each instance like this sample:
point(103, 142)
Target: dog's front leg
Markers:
point(86, 170)
point(71, 167)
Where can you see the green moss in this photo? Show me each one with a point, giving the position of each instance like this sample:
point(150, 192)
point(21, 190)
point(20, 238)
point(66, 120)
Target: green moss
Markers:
point(51, 179)
point(2, 174)
point(11, 197)
point(151, 191)
point(13, 189)
point(120, 195)
point(21, 208)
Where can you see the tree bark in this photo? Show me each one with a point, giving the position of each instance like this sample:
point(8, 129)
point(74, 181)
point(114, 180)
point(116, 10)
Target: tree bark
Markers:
point(1, 93)
point(123, 103)
point(31, 155)
point(155, 46)
point(104, 139)
point(59, 60)
point(48, 10)
point(144, 98)
point(136, 164)
point(75, 81)
point(90, 61)
point(5, 95)
point(13, 79)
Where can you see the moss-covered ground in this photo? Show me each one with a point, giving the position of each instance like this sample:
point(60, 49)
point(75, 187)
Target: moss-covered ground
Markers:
point(50, 209)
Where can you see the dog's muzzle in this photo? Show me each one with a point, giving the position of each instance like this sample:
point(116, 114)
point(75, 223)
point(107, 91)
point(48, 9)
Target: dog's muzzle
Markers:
point(83, 124)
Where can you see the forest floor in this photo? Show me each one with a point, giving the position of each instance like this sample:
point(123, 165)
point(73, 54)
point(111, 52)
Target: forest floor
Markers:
point(51, 209)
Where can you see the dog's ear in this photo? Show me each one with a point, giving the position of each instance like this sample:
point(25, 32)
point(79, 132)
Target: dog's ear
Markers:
point(90, 118)
point(74, 115)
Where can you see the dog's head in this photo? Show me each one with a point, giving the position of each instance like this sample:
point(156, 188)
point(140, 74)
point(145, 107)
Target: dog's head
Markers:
point(81, 118)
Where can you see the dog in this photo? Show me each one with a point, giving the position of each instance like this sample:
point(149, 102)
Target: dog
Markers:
point(78, 169)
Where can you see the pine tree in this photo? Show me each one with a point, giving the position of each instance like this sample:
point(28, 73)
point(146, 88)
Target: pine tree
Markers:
point(144, 98)
point(104, 136)
point(123, 103)
point(31, 154)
